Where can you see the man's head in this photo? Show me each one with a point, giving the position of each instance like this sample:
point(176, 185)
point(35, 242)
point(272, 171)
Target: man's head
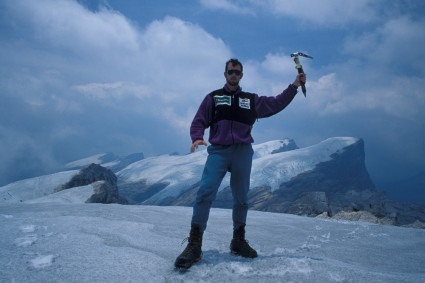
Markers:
point(233, 72)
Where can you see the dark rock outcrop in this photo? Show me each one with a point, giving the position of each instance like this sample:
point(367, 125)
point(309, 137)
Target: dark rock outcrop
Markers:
point(105, 192)
point(287, 145)
point(90, 174)
point(104, 183)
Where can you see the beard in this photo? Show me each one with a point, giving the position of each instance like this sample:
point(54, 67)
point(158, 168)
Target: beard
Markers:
point(232, 82)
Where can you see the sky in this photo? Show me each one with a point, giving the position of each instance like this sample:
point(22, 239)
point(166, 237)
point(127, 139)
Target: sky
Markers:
point(78, 78)
point(62, 239)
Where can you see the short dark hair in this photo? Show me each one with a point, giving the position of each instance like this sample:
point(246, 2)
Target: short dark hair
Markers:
point(234, 63)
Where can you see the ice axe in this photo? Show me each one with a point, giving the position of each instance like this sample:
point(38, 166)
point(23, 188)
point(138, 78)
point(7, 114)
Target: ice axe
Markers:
point(299, 67)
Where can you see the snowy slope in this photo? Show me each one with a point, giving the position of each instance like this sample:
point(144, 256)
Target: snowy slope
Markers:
point(181, 172)
point(44, 242)
point(96, 159)
point(33, 188)
point(73, 195)
point(108, 160)
point(273, 170)
point(177, 171)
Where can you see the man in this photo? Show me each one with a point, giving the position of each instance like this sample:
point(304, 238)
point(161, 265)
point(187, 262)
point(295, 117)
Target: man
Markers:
point(230, 114)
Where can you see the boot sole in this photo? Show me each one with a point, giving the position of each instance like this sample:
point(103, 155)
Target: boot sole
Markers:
point(186, 266)
point(235, 253)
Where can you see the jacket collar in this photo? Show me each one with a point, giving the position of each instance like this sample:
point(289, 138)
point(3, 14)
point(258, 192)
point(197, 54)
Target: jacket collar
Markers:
point(227, 90)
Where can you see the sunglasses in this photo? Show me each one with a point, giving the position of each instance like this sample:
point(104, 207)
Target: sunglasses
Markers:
point(236, 72)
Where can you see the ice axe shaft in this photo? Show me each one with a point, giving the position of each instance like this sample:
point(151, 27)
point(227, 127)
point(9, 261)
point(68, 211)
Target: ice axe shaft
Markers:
point(299, 67)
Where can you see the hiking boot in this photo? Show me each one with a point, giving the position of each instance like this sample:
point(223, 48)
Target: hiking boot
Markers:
point(192, 253)
point(239, 246)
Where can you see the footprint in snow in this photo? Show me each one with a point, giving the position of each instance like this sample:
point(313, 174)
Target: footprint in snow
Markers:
point(26, 241)
point(42, 261)
point(27, 228)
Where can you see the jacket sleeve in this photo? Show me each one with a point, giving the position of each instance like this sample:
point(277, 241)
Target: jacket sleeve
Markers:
point(202, 119)
point(267, 106)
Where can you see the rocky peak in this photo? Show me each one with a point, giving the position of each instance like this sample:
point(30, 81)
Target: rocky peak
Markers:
point(103, 181)
point(89, 175)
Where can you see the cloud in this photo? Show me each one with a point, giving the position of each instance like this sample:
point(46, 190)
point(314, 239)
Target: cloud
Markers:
point(23, 155)
point(69, 26)
point(165, 58)
point(325, 12)
point(388, 63)
point(396, 43)
point(80, 82)
point(114, 91)
point(177, 52)
point(238, 7)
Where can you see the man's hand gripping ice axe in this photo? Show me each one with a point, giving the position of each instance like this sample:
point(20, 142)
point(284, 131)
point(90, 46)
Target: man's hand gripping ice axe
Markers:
point(299, 67)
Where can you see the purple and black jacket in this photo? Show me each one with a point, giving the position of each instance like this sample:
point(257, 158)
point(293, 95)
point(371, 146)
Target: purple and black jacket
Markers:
point(231, 115)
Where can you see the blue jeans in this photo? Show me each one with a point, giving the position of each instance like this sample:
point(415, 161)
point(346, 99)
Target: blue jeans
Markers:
point(236, 159)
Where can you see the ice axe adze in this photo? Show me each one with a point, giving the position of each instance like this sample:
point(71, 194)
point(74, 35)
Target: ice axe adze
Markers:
point(299, 67)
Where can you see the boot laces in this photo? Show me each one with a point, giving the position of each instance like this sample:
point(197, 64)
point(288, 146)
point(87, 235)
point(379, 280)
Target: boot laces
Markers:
point(184, 241)
point(190, 247)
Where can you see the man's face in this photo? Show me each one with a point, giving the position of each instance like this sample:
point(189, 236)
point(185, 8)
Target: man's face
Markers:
point(233, 74)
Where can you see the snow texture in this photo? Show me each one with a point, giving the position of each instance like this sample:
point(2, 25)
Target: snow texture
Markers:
point(74, 242)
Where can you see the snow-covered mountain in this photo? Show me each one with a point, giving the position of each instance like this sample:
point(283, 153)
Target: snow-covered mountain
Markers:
point(108, 160)
point(273, 165)
point(324, 179)
point(284, 178)
point(155, 167)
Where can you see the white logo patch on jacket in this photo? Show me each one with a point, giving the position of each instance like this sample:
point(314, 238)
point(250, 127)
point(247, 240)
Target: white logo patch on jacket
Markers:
point(222, 100)
point(244, 103)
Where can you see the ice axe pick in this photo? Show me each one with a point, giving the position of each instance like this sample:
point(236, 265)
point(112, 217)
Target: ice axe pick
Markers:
point(299, 67)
